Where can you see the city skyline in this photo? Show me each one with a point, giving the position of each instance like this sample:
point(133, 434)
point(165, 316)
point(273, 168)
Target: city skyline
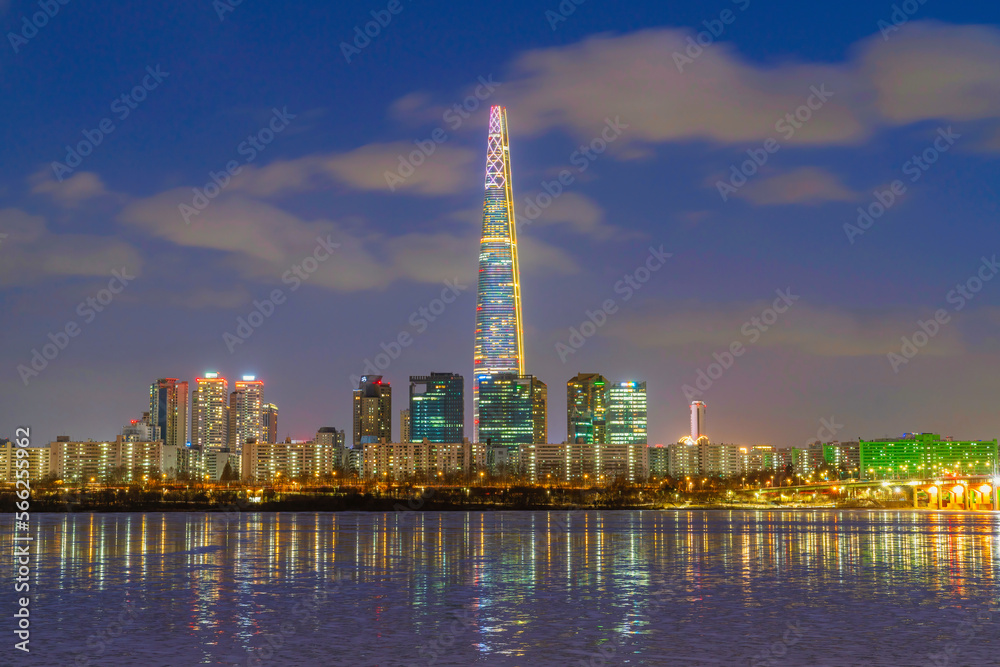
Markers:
point(160, 282)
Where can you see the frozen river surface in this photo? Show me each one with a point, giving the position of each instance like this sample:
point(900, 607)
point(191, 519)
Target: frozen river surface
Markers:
point(514, 588)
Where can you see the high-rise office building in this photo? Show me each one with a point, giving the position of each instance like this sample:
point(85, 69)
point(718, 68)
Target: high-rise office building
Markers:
point(329, 435)
point(586, 405)
point(697, 420)
point(405, 432)
point(626, 413)
point(168, 410)
point(626, 418)
point(246, 412)
point(437, 408)
point(499, 346)
point(209, 412)
point(512, 410)
point(539, 410)
point(270, 419)
point(372, 410)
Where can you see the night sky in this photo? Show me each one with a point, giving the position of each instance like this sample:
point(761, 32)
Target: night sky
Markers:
point(828, 107)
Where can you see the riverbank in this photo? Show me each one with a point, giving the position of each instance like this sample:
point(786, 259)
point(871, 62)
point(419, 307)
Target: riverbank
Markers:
point(428, 499)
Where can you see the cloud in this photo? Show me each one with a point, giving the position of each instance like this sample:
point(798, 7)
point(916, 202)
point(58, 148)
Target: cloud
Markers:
point(70, 192)
point(806, 185)
point(260, 241)
point(448, 169)
point(31, 253)
point(931, 70)
point(720, 97)
point(818, 331)
point(576, 212)
point(926, 71)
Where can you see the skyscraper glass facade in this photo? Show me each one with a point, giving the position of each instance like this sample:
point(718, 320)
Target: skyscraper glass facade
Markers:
point(586, 405)
point(512, 410)
point(499, 344)
point(627, 413)
point(437, 407)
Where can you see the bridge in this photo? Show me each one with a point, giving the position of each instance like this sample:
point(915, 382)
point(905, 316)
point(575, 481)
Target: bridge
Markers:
point(950, 492)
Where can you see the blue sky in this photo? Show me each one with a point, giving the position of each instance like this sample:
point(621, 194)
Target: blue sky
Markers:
point(688, 116)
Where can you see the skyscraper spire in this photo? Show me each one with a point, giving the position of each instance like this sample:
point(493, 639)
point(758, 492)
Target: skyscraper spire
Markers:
point(499, 335)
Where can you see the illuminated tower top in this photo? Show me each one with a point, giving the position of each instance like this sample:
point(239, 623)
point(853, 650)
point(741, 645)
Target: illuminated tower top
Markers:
point(499, 334)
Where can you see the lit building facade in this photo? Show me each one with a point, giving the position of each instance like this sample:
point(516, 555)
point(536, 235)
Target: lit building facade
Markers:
point(586, 407)
point(659, 461)
point(246, 412)
point(419, 460)
point(437, 408)
point(329, 435)
point(209, 412)
point(372, 410)
point(926, 455)
point(271, 462)
point(405, 432)
point(845, 457)
point(683, 458)
point(168, 410)
point(101, 461)
point(35, 460)
point(756, 458)
point(499, 344)
point(512, 410)
point(270, 422)
point(626, 415)
point(718, 459)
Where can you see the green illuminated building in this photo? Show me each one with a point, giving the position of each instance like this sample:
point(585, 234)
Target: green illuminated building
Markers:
point(926, 455)
point(512, 410)
point(437, 408)
point(586, 404)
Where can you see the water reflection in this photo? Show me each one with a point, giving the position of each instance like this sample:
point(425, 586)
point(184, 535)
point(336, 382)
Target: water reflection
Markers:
point(538, 588)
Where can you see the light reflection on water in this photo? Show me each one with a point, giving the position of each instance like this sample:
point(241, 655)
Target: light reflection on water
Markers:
point(517, 588)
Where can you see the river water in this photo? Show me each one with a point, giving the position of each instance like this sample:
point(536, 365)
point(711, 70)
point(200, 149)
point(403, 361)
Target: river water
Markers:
point(514, 588)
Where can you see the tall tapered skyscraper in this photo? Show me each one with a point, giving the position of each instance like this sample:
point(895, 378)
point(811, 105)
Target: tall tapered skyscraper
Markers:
point(499, 338)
